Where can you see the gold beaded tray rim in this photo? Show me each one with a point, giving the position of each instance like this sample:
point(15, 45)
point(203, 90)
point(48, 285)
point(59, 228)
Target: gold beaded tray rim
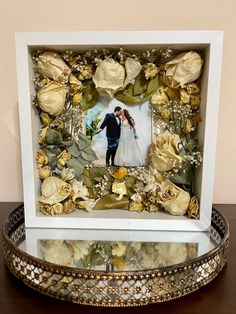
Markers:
point(11, 252)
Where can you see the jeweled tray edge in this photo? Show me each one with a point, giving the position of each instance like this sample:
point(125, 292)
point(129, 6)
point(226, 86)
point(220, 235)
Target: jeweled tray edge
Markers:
point(114, 289)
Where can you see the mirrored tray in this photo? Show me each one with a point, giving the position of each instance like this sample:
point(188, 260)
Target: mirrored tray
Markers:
point(114, 268)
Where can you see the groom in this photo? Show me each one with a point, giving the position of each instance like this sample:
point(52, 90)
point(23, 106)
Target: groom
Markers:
point(112, 122)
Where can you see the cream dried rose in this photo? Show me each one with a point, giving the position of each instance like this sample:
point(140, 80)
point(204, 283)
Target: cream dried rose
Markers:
point(150, 70)
point(184, 96)
point(64, 157)
point(88, 204)
point(57, 252)
point(80, 248)
point(195, 101)
point(160, 97)
point(42, 135)
point(54, 190)
point(164, 151)
point(193, 208)
point(44, 172)
point(41, 159)
point(185, 68)
point(119, 249)
point(173, 199)
point(119, 188)
point(52, 98)
point(164, 160)
point(110, 76)
point(67, 174)
point(51, 64)
point(86, 73)
point(68, 206)
point(168, 141)
point(136, 206)
point(193, 88)
point(132, 68)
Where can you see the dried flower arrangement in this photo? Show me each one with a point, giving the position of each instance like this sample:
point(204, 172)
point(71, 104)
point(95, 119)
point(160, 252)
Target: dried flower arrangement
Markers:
point(69, 83)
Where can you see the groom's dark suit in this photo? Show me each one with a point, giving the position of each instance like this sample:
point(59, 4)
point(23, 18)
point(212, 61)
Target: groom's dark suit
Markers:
point(113, 125)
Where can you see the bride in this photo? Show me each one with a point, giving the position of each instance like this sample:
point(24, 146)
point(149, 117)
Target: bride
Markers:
point(128, 152)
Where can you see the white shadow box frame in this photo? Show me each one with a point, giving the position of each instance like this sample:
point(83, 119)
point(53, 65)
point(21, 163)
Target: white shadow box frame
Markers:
point(210, 43)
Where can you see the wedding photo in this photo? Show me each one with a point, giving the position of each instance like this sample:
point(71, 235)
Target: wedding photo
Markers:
point(120, 134)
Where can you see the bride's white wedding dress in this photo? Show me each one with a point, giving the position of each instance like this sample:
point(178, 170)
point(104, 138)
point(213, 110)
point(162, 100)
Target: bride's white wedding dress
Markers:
point(128, 152)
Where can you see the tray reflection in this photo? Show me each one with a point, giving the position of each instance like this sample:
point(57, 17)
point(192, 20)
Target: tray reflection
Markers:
point(112, 250)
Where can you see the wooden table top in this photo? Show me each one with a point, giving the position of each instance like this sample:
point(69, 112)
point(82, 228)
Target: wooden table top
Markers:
point(219, 296)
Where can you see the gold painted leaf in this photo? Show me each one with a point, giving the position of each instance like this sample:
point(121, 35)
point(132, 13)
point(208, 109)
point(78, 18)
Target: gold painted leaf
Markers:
point(140, 84)
point(110, 202)
point(126, 96)
point(152, 86)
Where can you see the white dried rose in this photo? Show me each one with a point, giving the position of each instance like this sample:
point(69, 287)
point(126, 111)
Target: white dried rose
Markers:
point(173, 199)
point(54, 190)
point(52, 98)
point(185, 68)
point(51, 64)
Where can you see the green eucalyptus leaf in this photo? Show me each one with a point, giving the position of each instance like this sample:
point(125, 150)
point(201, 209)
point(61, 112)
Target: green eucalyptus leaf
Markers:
point(82, 161)
point(110, 202)
point(83, 141)
point(74, 150)
point(88, 154)
point(56, 151)
point(53, 137)
point(152, 86)
point(52, 161)
point(68, 143)
point(78, 168)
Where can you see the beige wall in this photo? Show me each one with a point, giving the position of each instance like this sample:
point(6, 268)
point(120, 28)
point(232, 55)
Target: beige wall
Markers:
point(76, 15)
